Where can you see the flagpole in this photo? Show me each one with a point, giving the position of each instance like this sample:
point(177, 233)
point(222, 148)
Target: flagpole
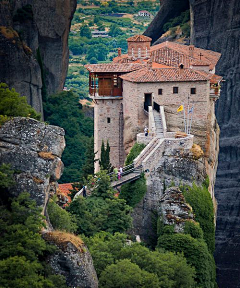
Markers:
point(188, 115)
point(191, 119)
point(184, 119)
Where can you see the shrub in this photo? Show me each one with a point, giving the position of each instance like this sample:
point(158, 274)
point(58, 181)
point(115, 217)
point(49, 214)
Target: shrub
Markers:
point(12, 105)
point(200, 200)
point(127, 274)
point(196, 253)
point(60, 218)
point(134, 152)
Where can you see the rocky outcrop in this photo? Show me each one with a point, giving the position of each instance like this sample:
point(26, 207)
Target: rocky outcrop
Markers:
point(175, 167)
point(34, 46)
point(33, 149)
point(72, 260)
point(174, 210)
point(216, 26)
point(169, 9)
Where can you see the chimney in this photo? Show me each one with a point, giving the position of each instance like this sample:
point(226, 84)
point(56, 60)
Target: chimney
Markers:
point(149, 64)
point(119, 52)
point(191, 50)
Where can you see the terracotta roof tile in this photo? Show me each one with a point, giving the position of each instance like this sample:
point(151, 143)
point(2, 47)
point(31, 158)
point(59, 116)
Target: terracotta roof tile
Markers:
point(139, 38)
point(164, 75)
point(113, 67)
point(214, 79)
point(65, 190)
point(175, 53)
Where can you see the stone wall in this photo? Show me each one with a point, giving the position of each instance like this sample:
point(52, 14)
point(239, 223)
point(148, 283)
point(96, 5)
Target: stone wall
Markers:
point(104, 131)
point(203, 116)
point(134, 117)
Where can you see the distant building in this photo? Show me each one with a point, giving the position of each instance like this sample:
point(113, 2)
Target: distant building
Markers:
point(97, 33)
point(144, 13)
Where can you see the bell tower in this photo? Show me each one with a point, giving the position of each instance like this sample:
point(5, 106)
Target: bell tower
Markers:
point(139, 47)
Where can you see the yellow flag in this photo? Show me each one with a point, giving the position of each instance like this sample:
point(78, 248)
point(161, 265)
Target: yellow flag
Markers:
point(180, 108)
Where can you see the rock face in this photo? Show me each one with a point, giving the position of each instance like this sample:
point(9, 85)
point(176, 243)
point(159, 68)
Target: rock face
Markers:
point(72, 260)
point(215, 25)
point(169, 9)
point(33, 46)
point(174, 209)
point(33, 149)
point(175, 167)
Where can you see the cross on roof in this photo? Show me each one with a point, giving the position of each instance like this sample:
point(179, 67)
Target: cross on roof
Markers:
point(200, 55)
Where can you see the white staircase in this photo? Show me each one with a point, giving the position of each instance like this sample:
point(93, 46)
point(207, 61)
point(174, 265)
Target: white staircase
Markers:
point(158, 124)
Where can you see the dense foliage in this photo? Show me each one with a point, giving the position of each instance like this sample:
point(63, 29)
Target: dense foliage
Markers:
point(200, 200)
point(13, 105)
point(22, 248)
point(105, 157)
point(60, 218)
point(101, 211)
point(64, 110)
point(196, 253)
point(134, 192)
point(166, 270)
point(134, 152)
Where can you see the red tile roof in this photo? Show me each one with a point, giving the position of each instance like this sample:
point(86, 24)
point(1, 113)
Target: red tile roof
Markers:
point(139, 38)
point(65, 190)
point(113, 67)
point(172, 53)
point(164, 75)
point(214, 79)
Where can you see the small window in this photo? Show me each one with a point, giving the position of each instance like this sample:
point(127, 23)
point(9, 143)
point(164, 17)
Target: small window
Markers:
point(175, 90)
point(108, 120)
point(193, 90)
point(159, 91)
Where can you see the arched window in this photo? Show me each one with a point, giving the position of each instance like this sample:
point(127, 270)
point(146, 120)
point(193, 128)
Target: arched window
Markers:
point(132, 52)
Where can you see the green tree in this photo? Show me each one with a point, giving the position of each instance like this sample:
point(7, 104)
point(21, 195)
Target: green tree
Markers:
point(128, 275)
point(63, 109)
point(13, 105)
point(85, 32)
point(88, 167)
point(6, 176)
point(105, 157)
point(22, 247)
point(60, 218)
point(114, 30)
point(101, 211)
point(200, 200)
point(196, 253)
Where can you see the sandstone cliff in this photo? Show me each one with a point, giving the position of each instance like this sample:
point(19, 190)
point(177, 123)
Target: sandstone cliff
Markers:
point(215, 25)
point(34, 46)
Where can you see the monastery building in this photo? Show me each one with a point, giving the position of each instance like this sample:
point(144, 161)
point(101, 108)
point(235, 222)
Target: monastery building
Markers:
point(151, 79)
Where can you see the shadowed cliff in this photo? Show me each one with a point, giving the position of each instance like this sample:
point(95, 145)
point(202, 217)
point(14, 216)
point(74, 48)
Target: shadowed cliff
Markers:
point(215, 25)
point(34, 46)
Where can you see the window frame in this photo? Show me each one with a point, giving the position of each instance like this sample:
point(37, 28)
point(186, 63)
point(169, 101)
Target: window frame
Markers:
point(175, 90)
point(193, 90)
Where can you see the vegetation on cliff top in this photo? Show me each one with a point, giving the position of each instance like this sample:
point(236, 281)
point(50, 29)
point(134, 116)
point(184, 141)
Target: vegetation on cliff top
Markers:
point(13, 105)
